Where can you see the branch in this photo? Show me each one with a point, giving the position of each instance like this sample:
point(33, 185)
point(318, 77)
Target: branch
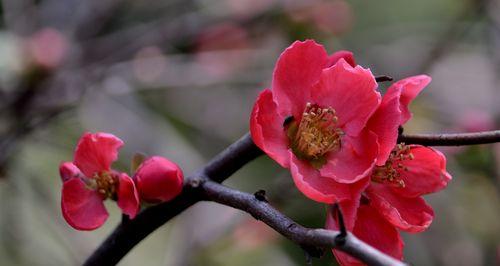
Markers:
point(458, 139)
point(305, 237)
point(128, 234)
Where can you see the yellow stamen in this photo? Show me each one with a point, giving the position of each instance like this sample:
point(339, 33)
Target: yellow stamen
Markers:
point(390, 173)
point(105, 184)
point(316, 134)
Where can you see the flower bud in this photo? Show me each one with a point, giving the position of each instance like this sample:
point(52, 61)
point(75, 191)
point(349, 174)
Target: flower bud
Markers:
point(158, 179)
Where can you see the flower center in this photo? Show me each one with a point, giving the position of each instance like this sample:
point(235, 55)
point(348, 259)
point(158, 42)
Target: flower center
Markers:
point(316, 134)
point(105, 184)
point(390, 172)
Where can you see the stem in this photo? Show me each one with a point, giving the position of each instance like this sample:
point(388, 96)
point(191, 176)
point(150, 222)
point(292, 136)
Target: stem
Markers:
point(457, 139)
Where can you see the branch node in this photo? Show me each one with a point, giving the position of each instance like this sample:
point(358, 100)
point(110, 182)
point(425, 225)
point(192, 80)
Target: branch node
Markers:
point(260, 195)
point(195, 182)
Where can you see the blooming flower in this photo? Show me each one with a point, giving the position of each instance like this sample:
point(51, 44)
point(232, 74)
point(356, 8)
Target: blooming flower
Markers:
point(393, 199)
point(313, 121)
point(89, 180)
point(158, 179)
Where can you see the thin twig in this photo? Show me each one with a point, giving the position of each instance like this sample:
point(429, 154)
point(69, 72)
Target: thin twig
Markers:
point(458, 139)
point(383, 78)
point(261, 210)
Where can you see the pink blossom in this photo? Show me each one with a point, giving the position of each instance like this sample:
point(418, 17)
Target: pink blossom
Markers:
point(392, 201)
point(313, 121)
point(89, 180)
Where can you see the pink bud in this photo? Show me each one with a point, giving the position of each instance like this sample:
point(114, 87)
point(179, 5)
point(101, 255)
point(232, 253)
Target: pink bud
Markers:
point(68, 170)
point(158, 179)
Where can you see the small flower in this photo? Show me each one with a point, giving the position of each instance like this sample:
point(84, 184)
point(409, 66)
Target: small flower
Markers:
point(158, 180)
point(89, 180)
point(313, 121)
point(392, 201)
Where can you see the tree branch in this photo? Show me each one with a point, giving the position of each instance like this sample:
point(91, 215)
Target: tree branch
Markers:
point(305, 237)
point(129, 234)
point(457, 139)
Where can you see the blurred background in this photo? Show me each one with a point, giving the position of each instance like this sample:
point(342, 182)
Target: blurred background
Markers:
point(178, 78)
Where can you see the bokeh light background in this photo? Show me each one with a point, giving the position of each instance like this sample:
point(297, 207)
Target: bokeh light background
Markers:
point(178, 78)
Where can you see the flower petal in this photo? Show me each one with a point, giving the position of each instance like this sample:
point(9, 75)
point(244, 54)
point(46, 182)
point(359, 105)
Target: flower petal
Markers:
point(355, 159)
point(128, 198)
point(346, 55)
point(384, 123)
point(158, 179)
point(67, 171)
point(426, 172)
point(298, 68)
point(82, 208)
point(322, 189)
point(349, 210)
point(375, 231)
point(266, 128)
point(95, 152)
point(410, 88)
point(351, 92)
point(408, 214)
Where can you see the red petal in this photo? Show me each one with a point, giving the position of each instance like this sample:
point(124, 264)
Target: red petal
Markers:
point(349, 209)
point(346, 55)
point(322, 189)
point(410, 88)
point(426, 172)
point(393, 112)
point(128, 199)
point(408, 214)
point(355, 159)
point(351, 92)
point(158, 179)
point(385, 122)
point(298, 68)
point(266, 128)
point(67, 171)
point(82, 208)
point(375, 231)
point(95, 152)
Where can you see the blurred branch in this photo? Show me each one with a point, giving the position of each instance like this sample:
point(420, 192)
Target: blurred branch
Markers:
point(305, 237)
point(456, 30)
point(457, 139)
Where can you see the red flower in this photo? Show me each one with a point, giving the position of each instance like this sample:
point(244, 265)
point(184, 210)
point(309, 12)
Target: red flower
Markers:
point(158, 179)
point(89, 180)
point(313, 120)
point(403, 174)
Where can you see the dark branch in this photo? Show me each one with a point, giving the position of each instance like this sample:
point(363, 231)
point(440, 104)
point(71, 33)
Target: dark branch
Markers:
point(458, 139)
point(130, 233)
point(305, 237)
point(383, 78)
